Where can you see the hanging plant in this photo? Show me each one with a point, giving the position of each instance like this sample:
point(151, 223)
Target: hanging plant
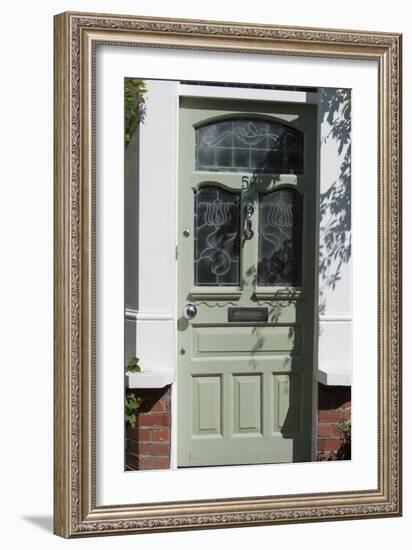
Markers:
point(135, 106)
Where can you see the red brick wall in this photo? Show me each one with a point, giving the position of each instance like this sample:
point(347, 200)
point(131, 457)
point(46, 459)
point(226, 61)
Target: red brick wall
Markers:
point(334, 406)
point(148, 444)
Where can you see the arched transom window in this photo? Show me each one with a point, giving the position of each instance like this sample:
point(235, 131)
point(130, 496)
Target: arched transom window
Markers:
point(249, 145)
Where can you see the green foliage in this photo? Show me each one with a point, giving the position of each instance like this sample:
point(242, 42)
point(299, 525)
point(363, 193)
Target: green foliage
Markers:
point(345, 429)
point(345, 450)
point(131, 406)
point(134, 106)
point(132, 403)
point(133, 364)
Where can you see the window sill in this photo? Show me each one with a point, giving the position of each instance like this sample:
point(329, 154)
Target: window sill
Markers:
point(334, 378)
point(149, 379)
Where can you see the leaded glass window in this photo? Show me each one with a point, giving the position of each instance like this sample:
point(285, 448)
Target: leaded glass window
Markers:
point(280, 238)
point(217, 237)
point(244, 145)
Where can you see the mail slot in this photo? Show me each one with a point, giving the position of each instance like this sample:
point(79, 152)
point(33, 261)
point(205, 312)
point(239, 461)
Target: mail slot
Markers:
point(247, 314)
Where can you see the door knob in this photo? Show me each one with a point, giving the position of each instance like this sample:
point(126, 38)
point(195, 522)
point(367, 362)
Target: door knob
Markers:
point(190, 311)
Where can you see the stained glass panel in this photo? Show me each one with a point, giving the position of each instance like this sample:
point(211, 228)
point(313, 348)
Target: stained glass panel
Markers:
point(280, 238)
point(243, 144)
point(217, 237)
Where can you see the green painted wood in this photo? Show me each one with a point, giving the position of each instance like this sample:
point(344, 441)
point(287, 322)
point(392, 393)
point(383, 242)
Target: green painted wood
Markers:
point(249, 339)
point(207, 405)
point(286, 388)
point(245, 389)
point(247, 403)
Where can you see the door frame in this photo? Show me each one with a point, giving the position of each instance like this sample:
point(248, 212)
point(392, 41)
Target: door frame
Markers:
point(279, 96)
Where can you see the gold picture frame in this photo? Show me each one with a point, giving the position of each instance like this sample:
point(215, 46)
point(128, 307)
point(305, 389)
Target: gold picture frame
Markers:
point(76, 37)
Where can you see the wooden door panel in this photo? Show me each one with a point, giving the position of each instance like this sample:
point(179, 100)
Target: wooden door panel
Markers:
point(270, 363)
point(207, 409)
point(287, 397)
point(251, 340)
point(245, 388)
point(247, 403)
point(258, 450)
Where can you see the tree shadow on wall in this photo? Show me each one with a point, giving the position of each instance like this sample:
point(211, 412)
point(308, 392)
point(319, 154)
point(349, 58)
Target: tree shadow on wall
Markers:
point(335, 202)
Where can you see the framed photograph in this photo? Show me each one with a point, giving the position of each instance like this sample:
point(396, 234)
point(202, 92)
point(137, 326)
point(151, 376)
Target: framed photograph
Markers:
point(227, 274)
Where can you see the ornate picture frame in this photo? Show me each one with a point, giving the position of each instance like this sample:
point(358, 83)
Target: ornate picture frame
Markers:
point(76, 512)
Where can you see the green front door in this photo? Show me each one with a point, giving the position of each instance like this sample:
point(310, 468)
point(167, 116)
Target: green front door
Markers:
point(246, 265)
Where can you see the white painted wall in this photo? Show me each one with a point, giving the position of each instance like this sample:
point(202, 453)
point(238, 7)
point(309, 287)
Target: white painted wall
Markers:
point(335, 235)
point(151, 295)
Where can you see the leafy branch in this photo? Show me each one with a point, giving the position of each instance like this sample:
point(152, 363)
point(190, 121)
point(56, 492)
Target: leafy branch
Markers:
point(133, 364)
point(132, 405)
point(134, 106)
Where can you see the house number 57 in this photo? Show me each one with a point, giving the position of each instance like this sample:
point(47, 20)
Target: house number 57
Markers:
point(248, 182)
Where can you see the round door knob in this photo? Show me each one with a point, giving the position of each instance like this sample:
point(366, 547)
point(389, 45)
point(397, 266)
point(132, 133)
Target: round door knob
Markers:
point(190, 311)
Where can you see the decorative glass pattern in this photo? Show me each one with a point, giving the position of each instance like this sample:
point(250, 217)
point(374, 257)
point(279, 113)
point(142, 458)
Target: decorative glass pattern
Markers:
point(244, 145)
point(280, 238)
point(217, 237)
